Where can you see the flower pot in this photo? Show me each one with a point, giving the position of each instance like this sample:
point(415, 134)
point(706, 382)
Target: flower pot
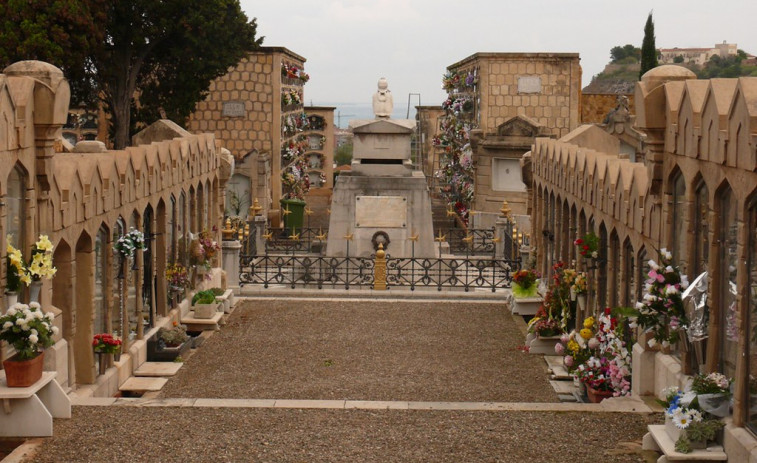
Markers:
point(205, 310)
point(23, 373)
point(596, 396)
point(117, 355)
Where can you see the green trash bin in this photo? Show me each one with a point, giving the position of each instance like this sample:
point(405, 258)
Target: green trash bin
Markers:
point(296, 208)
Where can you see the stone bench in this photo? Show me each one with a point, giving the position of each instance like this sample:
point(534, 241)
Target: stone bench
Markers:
point(29, 411)
point(201, 324)
point(658, 439)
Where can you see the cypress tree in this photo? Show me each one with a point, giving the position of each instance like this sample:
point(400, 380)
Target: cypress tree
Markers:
point(648, 48)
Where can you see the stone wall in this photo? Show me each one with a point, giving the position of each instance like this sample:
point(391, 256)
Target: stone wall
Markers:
point(84, 201)
point(249, 127)
point(545, 87)
point(596, 106)
point(692, 194)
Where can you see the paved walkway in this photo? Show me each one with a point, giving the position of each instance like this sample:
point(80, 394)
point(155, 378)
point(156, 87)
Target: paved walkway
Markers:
point(348, 380)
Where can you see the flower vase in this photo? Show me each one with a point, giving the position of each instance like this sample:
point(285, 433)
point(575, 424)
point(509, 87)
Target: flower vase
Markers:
point(11, 298)
point(596, 396)
point(581, 298)
point(117, 355)
point(23, 373)
point(102, 362)
point(34, 290)
point(573, 294)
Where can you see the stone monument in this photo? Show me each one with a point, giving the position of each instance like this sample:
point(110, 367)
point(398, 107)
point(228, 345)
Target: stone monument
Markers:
point(382, 199)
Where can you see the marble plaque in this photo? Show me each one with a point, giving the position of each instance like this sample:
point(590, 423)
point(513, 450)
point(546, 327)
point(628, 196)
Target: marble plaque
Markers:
point(381, 211)
point(529, 84)
point(233, 109)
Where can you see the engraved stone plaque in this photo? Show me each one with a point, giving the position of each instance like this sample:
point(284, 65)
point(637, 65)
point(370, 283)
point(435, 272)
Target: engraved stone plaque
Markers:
point(233, 109)
point(529, 84)
point(381, 211)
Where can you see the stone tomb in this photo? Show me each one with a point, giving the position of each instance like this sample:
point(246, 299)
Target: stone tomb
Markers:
point(382, 200)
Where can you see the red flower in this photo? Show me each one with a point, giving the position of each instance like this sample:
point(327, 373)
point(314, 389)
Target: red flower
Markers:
point(578, 241)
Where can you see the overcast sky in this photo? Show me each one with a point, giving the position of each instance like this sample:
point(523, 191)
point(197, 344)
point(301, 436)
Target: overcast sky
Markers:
point(349, 44)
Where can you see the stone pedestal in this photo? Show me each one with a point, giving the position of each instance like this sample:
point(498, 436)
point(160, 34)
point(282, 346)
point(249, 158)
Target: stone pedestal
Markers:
point(231, 262)
point(382, 200)
point(260, 223)
point(643, 374)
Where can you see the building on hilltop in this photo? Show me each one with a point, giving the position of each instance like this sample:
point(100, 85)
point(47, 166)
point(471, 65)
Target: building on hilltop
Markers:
point(698, 56)
point(257, 111)
point(693, 193)
point(170, 188)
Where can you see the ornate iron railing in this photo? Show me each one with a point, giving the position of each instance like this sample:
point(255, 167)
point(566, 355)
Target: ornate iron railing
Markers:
point(293, 270)
point(471, 241)
point(465, 273)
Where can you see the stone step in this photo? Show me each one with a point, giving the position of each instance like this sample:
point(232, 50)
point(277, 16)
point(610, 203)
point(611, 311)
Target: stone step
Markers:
point(563, 387)
point(158, 369)
point(141, 384)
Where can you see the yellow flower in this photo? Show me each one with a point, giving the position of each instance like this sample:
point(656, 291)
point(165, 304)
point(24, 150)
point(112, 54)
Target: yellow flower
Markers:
point(586, 333)
point(44, 244)
point(25, 279)
point(589, 322)
point(573, 346)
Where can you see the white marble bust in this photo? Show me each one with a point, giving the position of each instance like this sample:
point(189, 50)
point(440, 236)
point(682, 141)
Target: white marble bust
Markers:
point(383, 104)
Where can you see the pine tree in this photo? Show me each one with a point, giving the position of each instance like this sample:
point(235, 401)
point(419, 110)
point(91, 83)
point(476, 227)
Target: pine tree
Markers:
point(648, 48)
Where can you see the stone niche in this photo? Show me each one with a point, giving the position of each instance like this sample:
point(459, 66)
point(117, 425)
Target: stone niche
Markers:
point(382, 200)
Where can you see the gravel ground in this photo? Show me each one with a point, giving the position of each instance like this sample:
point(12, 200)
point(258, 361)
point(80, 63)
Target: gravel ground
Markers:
point(131, 434)
point(350, 350)
point(358, 351)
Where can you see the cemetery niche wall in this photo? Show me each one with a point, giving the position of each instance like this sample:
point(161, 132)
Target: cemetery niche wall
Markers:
point(169, 189)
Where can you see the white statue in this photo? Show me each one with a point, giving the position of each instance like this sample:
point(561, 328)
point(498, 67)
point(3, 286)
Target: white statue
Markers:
point(383, 104)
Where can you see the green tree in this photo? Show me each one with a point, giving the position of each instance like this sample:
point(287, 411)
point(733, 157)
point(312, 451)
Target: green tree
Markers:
point(60, 32)
point(648, 48)
point(619, 53)
point(166, 52)
point(343, 154)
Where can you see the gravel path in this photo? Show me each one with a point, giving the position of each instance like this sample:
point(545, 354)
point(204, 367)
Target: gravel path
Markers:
point(412, 351)
point(350, 350)
point(130, 434)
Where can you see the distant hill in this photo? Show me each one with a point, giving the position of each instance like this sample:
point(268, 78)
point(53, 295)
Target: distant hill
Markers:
point(622, 73)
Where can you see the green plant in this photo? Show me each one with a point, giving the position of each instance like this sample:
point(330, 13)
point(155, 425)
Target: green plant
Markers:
point(217, 291)
point(172, 337)
point(204, 297)
point(702, 431)
point(27, 329)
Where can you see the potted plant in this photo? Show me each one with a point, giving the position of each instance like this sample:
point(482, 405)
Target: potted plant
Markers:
point(524, 283)
point(204, 304)
point(686, 423)
point(29, 331)
point(203, 249)
point(105, 344)
point(169, 344)
point(588, 246)
point(178, 280)
point(661, 312)
point(16, 273)
point(713, 393)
